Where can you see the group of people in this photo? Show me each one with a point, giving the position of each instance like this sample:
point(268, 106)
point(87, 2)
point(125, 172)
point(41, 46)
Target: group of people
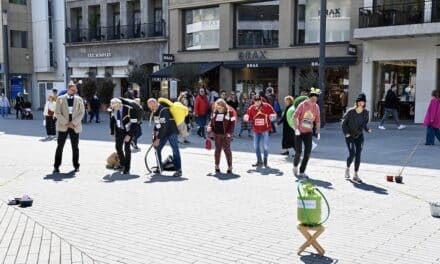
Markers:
point(19, 104)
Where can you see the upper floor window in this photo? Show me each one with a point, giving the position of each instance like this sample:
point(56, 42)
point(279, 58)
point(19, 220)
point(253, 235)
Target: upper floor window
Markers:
point(19, 39)
point(308, 20)
point(257, 24)
point(18, 2)
point(202, 28)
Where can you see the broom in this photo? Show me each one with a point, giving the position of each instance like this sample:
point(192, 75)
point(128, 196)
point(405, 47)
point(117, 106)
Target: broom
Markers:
point(399, 178)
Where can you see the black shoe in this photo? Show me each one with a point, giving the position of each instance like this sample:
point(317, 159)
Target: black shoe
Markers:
point(258, 164)
point(55, 170)
point(177, 174)
point(186, 141)
point(229, 171)
point(265, 162)
point(76, 169)
point(285, 153)
point(119, 168)
point(217, 170)
point(126, 172)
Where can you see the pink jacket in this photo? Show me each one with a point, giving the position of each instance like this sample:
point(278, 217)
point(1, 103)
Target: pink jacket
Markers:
point(432, 117)
point(307, 116)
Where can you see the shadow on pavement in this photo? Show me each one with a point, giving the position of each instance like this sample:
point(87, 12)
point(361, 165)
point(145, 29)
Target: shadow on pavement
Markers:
point(163, 178)
point(266, 171)
point(60, 176)
point(319, 183)
point(224, 176)
point(317, 259)
point(118, 176)
point(370, 188)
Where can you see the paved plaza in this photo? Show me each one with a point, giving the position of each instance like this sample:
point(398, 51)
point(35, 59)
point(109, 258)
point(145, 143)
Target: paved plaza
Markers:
point(99, 216)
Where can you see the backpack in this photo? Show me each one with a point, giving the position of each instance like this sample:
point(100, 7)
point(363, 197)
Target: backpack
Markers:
point(136, 110)
point(177, 110)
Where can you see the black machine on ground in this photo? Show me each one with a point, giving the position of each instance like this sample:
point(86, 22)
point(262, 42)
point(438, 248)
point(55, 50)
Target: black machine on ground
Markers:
point(167, 165)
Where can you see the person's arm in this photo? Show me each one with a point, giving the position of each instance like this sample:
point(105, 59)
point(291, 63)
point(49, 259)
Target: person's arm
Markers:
point(318, 121)
point(165, 125)
point(345, 128)
point(231, 126)
point(60, 118)
point(112, 124)
point(431, 111)
point(76, 120)
point(297, 115)
point(46, 109)
point(366, 120)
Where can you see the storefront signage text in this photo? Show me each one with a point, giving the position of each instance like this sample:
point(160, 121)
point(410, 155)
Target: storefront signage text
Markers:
point(332, 13)
point(168, 57)
point(99, 55)
point(252, 55)
point(352, 50)
point(252, 65)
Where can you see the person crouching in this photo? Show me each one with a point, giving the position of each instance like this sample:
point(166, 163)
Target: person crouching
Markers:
point(122, 129)
point(222, 125)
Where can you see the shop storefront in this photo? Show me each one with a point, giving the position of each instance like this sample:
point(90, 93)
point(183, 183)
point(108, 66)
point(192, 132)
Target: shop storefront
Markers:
point(249, 80)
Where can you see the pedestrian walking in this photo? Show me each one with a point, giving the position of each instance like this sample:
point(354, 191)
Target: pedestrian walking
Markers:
point(201, 110)
point(69, 112)
point(355, 121)
point(122, 128)
point(391, 105)
point(19, 101)
point(432, 119)
point(233, 101)
point(261, 115)
point(222, 126)
point(86, 110)
point(306, 119)
point(165, 130)
point(288, 140)
point(95, 105)
point(183, 99)
point(245, 103)
point(49, 116)
point(137, 126)
point(4, 105)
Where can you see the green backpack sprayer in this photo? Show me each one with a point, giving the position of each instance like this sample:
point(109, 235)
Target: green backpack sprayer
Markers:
point(309, 204)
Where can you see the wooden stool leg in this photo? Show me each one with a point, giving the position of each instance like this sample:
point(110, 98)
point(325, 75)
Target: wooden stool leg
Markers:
point(311, 239)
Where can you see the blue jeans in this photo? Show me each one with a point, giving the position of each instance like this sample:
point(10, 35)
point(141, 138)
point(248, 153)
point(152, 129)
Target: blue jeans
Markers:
point(201, 121)
point(258, 137)
point(5, 111)
point(174, 143)
point(431, 134)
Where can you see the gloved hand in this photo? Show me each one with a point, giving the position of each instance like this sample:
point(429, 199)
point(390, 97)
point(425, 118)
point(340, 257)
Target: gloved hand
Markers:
point(246, 118)
point(297, 132)
point(318, 137)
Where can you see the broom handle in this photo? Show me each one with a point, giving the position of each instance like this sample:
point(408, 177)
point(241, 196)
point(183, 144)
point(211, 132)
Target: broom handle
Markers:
point(409, 157)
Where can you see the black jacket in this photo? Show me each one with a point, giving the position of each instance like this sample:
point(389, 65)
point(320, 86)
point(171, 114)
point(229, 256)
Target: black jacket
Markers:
point(95, 103)
point(164, 124)
point(391, 100)
point(128, 122)
point(354, 123)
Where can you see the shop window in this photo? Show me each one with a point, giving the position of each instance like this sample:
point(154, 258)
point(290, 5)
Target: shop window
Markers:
point(19, 39)
point(18, 2)
point(308, 21)
point(201, 28)
point(257, 24)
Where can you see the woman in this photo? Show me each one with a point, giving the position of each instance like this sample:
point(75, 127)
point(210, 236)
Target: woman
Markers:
point(49, 116)
point(245, 104)
point(4, 105)
point(354, 122)
point(432, 119)
point(222, 126)
point(183, 99)
point(288, 140)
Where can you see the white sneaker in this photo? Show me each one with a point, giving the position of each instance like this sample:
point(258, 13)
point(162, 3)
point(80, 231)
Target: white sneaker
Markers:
point(382, 127)
point(347, 173)
point(314, 145)
point(295, 171)
point(401, 127)
point(356, 178)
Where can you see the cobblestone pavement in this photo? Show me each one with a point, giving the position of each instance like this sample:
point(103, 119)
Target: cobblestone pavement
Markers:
point(249, 217)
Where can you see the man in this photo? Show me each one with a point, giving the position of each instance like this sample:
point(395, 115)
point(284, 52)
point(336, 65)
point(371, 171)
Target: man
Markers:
point(271, 99)
point(391, 105)
point(122, 127)
point(69, 112)
point(95, 104)
point(306, 118)
point(261, 115)
point(19, 101)
point(4, 105)
point(201, 110)
point(165, 129)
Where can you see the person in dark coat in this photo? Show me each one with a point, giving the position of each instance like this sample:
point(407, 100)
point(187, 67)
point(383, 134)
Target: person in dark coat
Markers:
point(19, 101)
point(95, 104)
point(288, 140)
point(391, 106)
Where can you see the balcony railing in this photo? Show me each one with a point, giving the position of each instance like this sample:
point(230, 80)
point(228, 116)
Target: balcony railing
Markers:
point(139, 31)
point(400, 14)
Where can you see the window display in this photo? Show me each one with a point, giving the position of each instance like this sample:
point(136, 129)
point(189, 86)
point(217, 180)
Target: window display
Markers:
point(202, 28)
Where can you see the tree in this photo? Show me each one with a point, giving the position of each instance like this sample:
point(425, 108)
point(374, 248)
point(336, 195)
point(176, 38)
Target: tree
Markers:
point(106, 87)
point(140, 76)
point(187, 74)
point(89, 86)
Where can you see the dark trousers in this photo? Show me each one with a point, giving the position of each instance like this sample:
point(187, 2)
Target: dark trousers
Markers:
point(387, 113)
point(431, 134)
point(17, 110)
point(305, 138)
point(50, 125)
point(174, 143)
point(201, 121)
point(95, 114)
point(123, 149)
point(74, 140)
point(222, 142)
point(354, 146)
point(138, 132)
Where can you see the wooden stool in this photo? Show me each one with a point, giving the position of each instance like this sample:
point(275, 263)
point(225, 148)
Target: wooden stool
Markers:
point(311, 239)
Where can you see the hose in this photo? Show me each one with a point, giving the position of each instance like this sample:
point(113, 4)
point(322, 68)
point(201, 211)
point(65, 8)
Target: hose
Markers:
point(304, 205)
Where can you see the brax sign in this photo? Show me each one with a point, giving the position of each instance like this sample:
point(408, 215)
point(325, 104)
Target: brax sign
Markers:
point(252, 55)
point(99, 55)
point(168, 57)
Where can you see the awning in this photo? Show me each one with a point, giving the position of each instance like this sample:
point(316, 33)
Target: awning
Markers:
point(98, 63)
point(171, 71)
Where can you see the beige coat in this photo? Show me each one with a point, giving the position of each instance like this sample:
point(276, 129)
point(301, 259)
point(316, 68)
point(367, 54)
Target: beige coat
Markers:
point(62, 113)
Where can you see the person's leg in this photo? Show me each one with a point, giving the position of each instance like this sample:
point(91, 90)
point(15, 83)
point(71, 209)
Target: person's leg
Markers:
point(119, 141)
point(127, 152)
point(60, 146)
point(97, 116)
point(430, 135)
point(298, 150)
point(218, 139)
point(74, 141)
point(174, 142)
point(351, 151)
point(159, 148)
point(203, 122)
point(257, 139)
point(359, 142)
point(48, 125)
point(437, 133)
point(307, 139)
point(396, 116)
point(228, 152)
point(384, 117)
point(16, 112)
point(265, 147)
point(199, 123)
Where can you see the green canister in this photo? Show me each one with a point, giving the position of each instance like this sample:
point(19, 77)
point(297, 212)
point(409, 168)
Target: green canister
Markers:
point(309, 204)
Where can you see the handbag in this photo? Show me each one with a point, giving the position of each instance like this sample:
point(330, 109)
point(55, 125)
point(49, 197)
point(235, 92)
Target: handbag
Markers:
point(208, 144)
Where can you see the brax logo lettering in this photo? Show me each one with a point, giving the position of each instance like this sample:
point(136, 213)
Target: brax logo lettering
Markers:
point(252, 55)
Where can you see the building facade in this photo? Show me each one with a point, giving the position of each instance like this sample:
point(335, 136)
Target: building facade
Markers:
point(401, 42)
point(109, 38)
point(251, 45)
point(48, 23)
point(16, 49)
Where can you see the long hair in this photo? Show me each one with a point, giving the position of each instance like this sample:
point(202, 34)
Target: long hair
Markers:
point(223, 104)
point(290, 99)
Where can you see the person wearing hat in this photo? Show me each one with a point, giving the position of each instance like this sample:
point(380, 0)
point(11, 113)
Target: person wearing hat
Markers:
point(306, 118)
point(261, 115)
point(355, 121)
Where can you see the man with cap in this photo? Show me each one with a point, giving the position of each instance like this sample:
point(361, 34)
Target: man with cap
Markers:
point(261, 115)
point(306, 118)
point(355, 121)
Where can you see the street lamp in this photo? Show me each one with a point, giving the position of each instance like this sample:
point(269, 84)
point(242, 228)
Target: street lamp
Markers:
point(6, 51)
point(322, 42)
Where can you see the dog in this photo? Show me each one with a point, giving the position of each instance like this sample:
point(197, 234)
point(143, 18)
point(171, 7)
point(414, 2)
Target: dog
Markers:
point(112, 161)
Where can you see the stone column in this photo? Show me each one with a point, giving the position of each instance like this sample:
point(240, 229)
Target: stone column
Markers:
point(176, 29)
point(226, 79)
point(123, 14)
point(85, 15)
point(286, 23)
point(226, 27)
point(104, 16)
point(146, 11)
point(284, 82)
